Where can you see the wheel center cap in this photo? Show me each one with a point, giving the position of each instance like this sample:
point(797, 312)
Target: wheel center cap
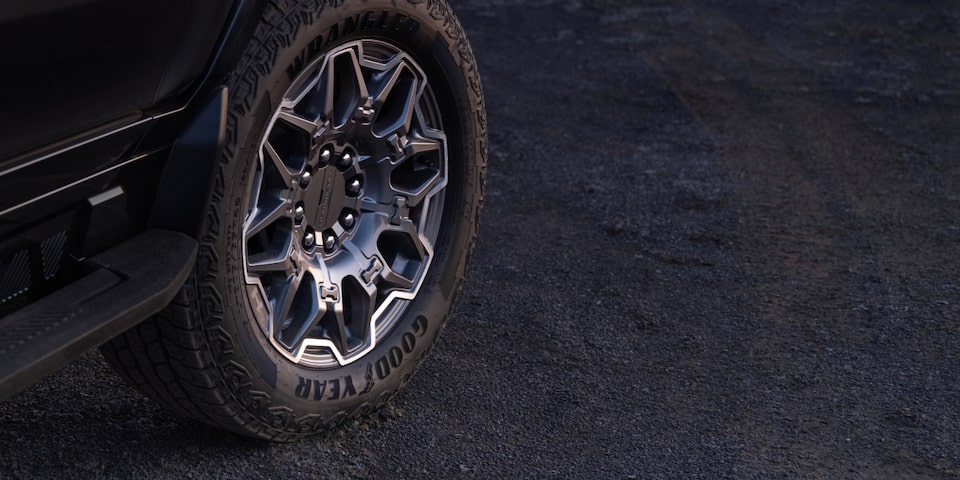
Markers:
point(325, 197)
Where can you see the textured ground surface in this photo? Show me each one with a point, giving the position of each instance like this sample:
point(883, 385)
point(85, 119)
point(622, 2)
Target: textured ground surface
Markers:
point(721, 239)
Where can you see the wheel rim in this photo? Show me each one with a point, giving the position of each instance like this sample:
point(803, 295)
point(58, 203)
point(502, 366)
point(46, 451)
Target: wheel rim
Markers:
point(345, 204)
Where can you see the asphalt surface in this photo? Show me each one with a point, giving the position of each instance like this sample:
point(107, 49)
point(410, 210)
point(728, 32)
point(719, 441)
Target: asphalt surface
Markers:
point(720, 239)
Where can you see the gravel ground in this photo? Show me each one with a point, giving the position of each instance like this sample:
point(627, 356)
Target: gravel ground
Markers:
point(721, 239)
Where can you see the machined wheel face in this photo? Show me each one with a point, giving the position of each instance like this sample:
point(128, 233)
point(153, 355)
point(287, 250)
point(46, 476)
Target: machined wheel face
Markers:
point(345, 204)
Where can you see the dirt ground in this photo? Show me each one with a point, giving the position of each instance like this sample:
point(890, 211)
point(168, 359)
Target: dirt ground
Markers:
point(720, 239)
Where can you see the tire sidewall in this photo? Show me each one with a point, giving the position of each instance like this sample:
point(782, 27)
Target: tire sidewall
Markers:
point(324, 395)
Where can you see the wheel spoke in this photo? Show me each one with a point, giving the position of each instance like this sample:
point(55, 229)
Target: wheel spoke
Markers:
point(369, 205)
point(386, 82)
point(423, 184)
point(284, 295)
point(340, 328)
point(270, 209)
point(397, 250)
point(301, 89)
point(362, 303)
point(405, 253)
point(342, 87)
point(278, 261)
point(396, 101)
point(289, 116)
point(360, 82)
point(311, 309)
point(286, 175)
point(395, 280)
point(416, 146)
point(321, 98)
point(353, 304)
point(422, 166)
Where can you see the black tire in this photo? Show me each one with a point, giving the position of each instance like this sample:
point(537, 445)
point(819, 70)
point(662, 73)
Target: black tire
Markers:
point(206, 356)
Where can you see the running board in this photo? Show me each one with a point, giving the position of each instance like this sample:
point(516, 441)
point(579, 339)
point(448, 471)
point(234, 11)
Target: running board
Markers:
point(131, 282)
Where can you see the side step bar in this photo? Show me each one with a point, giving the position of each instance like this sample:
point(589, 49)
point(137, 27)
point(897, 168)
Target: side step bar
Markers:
point(131, 282)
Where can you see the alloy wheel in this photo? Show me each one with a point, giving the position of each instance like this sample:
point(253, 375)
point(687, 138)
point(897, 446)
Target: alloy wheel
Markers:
point(345, 204)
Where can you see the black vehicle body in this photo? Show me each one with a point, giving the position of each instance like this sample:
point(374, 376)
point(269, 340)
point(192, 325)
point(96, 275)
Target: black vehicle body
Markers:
point(105, 165)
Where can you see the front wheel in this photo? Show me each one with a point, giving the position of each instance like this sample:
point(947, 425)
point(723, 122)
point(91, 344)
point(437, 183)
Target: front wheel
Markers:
point(343, 217)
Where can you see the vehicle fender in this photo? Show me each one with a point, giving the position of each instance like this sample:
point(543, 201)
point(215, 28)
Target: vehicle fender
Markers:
point(186, 183)
point(243, 21)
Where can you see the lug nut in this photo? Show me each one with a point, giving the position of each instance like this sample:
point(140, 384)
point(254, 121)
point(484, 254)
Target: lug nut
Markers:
point(348, 220)
point(353, 187)
point(325, 156)
point(346, 160)
point(329, 242)
point(309, 239)
point(305, 179)
point(298, 213)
